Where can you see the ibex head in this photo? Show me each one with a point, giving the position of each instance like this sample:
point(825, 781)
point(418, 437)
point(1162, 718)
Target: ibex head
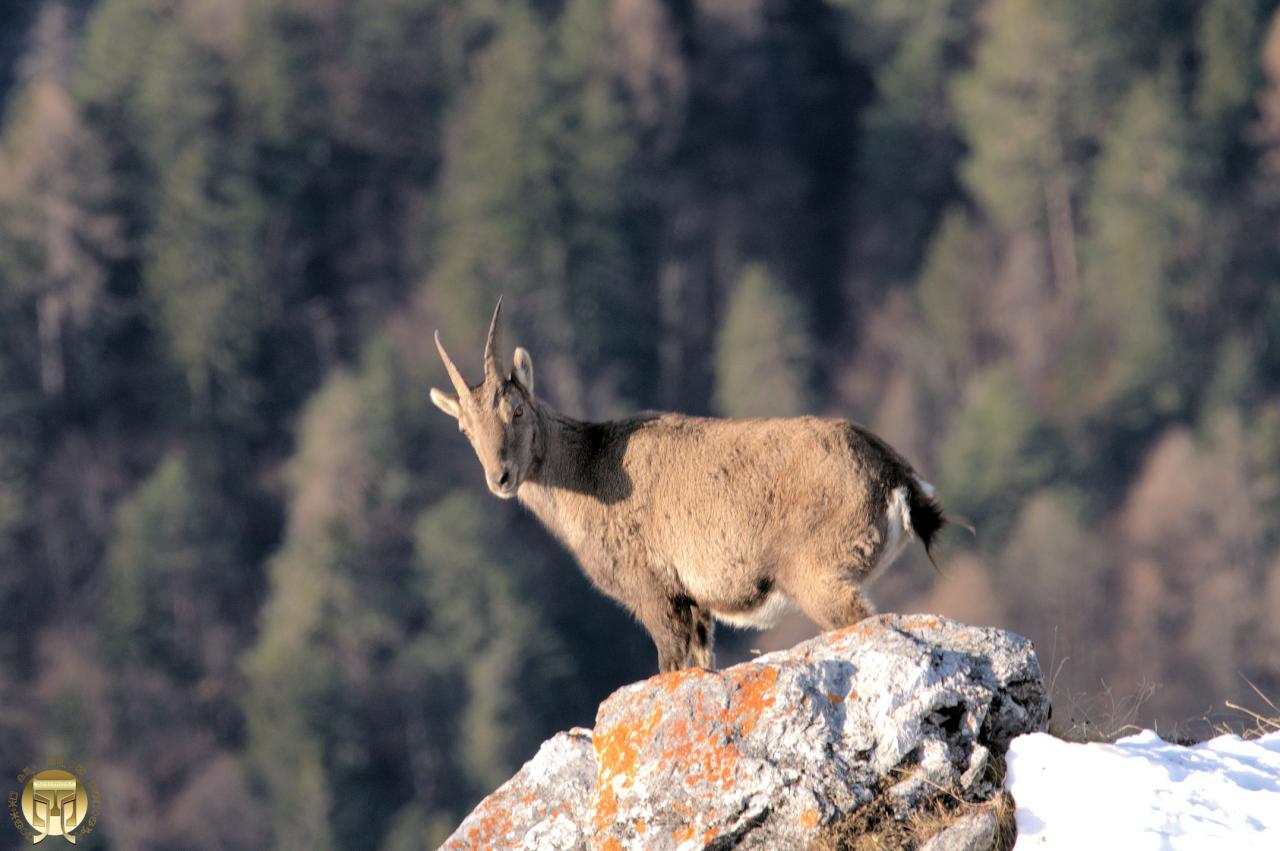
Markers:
point(495, 415)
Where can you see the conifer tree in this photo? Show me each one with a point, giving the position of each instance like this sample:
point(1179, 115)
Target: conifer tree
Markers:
point(538, 200)
point(1227, 39)
point(1145, 217)
point(909, 146)
point(172, 567)
point(57, 235)
point(992, 454)
point(1026, 110)
point(763, 351)
point(952, 289)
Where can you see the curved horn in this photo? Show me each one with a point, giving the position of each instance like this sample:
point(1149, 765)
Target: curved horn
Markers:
point(492, 368)
point(459, 383)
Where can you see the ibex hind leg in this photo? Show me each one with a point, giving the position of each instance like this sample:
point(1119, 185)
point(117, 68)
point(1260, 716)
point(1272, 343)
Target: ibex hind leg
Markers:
point(831, 597)
point(842, 606)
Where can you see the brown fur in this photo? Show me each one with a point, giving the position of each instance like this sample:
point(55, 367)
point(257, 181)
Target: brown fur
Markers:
point(682, 519)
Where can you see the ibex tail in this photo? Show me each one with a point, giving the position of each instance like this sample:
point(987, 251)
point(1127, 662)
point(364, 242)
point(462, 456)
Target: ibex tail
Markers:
point(927, 517)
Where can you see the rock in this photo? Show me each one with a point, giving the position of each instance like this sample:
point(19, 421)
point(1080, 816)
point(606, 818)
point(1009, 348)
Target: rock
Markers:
point(777, 748)
point(973, 832)
point(974, 784)
point(544, 806)
point(768, 753)
point(933, 772)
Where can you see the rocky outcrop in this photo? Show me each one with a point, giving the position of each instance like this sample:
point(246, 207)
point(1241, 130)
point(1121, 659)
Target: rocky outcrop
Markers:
point(768, 753)
point(543, 806)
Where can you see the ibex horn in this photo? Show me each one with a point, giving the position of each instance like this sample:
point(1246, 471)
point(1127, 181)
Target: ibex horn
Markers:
point(459, 383)
point(492, 369)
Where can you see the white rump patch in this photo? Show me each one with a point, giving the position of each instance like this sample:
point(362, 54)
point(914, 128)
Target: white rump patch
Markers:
point(897, 529)
point(772, 609)
point(926, 487)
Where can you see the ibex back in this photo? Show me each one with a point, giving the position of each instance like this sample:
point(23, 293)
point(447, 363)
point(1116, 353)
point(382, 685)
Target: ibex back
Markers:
point(686, 520)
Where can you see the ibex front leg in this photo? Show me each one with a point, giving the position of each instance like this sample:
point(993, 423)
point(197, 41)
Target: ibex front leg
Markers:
point(702, 653)
point(670, 622)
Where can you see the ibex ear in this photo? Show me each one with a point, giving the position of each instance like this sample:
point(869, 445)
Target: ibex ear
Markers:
point(446, 402)
point(523, 371)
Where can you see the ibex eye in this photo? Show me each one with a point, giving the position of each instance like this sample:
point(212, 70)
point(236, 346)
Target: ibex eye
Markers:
point(519, 411)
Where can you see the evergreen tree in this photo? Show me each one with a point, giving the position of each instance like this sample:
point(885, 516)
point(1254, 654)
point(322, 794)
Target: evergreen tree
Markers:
point(202, 254)
point(178, 596)
point(1227, 40)
point(495, 644)
point(1026, 111)
point(909, 146)
point(172, 572)
point(612, 310)
point(115, 59)
point(1145, 221)
point(303, 719)
point(538, 201)
point(202, 272)
point(57, 236)
point(993, 453)
point(763, 352)
point(499, 209)
point(1055, 569)
point(952, 288)
point(57, 241)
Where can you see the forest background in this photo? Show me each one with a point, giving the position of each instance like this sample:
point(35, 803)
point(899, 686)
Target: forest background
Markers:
point(252, 579)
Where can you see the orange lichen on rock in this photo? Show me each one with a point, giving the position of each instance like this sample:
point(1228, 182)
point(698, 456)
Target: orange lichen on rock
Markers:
point(672, 681)
point(868, 627)
point(611, 844)
point(862, 629)
point(755, 695)
point(706, 741)
point(809, 818)
point(616, 750)
point(923, 622)
point(491, 828)
point(641, 827)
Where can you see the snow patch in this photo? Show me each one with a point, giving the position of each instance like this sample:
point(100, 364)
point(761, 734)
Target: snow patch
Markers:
point(1145, 793)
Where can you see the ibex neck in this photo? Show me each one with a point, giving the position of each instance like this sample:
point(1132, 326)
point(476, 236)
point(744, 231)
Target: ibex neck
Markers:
point(558, 451)
point(563, 489)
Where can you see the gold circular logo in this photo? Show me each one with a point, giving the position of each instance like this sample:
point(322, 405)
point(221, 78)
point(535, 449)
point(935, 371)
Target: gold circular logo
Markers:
point(54, 802)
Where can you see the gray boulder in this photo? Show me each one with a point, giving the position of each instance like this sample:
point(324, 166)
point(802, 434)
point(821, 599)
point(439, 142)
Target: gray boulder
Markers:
point(973, 832)
point(543, 806)
point(768, 753)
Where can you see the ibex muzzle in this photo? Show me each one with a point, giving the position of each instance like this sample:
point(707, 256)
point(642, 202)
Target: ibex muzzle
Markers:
point(686, 520)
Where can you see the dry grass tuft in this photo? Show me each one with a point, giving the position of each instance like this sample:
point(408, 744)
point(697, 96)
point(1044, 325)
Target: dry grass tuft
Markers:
point(1102, 717)
point(1257, 724)
point(1105, 717)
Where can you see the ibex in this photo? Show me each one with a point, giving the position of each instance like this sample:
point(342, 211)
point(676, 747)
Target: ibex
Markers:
point(686, 520)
